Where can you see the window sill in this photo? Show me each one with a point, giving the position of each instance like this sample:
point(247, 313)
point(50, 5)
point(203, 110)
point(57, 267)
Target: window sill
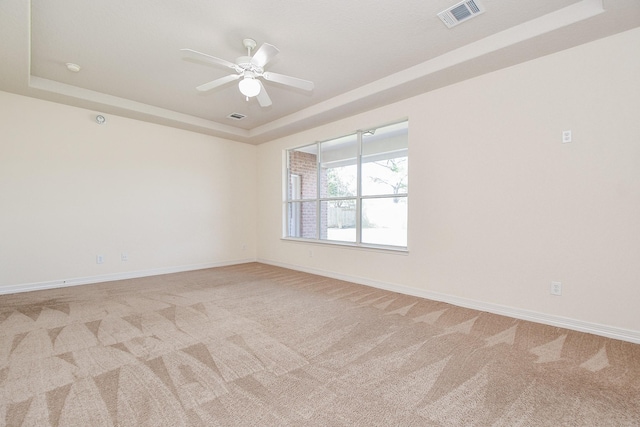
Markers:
point(397, 250)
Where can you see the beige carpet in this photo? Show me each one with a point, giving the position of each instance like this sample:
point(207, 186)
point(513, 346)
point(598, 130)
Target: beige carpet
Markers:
point(256, 345)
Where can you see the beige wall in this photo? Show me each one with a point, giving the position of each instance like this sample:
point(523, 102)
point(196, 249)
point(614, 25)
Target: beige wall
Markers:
point(499, 207)
point(71, 189)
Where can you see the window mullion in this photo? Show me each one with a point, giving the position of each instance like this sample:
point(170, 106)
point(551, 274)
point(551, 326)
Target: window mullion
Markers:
point(359, 189)
point(318, 190)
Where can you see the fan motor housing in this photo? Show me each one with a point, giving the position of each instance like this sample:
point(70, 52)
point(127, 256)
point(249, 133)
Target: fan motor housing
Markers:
point(245, 63)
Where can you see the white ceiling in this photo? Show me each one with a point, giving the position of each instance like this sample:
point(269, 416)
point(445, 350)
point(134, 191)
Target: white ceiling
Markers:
point(360, 54)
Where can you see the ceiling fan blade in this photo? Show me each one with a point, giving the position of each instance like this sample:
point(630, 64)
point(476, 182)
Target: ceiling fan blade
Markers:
point(218, 82)
point(263, 97)
point(288, 80)
point(199, 56)
point(265, 54)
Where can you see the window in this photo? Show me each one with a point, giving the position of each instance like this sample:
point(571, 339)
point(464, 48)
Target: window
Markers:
point(350, 190)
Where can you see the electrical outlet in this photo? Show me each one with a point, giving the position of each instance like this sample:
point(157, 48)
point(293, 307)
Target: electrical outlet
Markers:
point(556, 288)
point(566, 136)
point(99, 259)
point(124, 256)
point(310, 253)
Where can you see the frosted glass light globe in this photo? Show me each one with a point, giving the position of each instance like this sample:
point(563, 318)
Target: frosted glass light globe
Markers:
point(249, 86)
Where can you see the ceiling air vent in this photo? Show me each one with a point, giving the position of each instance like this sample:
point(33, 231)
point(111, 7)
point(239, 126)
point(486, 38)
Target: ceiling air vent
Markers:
point(236, 116)
point(461, 12)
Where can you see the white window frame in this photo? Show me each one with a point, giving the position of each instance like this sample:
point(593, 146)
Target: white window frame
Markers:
point(318, 200)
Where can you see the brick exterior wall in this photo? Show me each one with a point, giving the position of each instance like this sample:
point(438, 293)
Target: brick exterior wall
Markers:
point(304, 165)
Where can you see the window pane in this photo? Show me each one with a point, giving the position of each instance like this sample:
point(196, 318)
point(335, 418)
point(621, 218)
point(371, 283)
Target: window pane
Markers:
point(384, 221)
point(301, 219)
point(385, 160)
point(339, 173)
point(303, 173)
point(340, 181)
point(338, 220)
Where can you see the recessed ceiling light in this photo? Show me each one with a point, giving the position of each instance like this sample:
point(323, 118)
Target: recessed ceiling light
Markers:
point(73, 67)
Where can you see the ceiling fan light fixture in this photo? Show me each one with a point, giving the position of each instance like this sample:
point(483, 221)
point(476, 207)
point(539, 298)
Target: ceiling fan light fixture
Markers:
point(249, 87)
point(249, 70)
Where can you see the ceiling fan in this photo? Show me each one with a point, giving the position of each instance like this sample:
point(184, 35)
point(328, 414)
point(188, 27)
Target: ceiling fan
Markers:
point(249, 69)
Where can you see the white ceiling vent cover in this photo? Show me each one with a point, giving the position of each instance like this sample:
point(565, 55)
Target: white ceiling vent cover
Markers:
point(461, 12)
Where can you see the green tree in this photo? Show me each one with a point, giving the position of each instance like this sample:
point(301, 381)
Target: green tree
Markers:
point(396, 177)
point(340, 183)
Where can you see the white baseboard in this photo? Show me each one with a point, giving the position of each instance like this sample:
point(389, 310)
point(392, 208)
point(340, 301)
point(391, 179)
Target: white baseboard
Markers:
point(532, 316)
point(76, 281)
